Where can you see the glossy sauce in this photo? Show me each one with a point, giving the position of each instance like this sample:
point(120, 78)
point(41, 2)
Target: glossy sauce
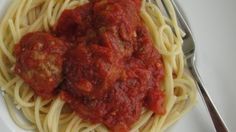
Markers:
point(110, 69)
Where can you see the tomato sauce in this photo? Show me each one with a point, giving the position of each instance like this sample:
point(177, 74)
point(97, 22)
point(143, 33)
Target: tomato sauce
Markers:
point(110, 69)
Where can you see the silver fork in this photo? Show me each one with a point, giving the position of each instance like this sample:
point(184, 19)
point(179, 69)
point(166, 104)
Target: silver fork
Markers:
point(189, 52)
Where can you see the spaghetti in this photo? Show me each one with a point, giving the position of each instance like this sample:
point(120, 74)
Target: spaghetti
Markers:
point(53, 115)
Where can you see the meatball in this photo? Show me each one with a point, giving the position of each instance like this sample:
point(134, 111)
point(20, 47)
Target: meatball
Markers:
point(90, 70)
point(39, 60)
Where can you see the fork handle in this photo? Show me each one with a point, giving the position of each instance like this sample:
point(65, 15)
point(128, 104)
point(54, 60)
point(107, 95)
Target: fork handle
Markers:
point(215, 116)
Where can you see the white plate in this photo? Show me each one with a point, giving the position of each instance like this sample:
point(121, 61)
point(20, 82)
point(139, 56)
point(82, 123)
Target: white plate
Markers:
point(213, 23)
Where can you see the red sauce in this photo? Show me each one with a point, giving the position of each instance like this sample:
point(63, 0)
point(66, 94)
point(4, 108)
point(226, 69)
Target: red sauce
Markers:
point(110, 70)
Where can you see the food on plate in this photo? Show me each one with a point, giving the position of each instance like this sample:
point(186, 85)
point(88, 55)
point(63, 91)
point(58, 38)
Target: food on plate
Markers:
point(99, 65)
